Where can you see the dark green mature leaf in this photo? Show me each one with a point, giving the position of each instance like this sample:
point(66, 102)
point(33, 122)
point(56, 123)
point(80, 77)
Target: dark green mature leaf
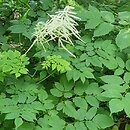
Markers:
point(123, 38)
point(103, 29)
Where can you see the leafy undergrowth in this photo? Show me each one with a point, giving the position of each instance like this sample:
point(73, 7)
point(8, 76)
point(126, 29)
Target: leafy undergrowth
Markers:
point(80, 85)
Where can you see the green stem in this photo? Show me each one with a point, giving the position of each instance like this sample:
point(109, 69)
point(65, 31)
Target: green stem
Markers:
point(46, 77)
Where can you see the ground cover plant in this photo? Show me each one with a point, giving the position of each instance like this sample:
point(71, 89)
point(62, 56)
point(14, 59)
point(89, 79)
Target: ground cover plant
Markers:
point(64, 65)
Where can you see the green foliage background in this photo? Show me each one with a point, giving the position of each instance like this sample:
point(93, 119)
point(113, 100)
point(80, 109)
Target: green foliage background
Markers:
point(51, 90)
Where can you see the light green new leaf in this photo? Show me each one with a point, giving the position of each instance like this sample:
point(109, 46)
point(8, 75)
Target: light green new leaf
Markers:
point(123, 39)
point(103, 29)
point(103, 121)
point(116, 105)
point(18, 122)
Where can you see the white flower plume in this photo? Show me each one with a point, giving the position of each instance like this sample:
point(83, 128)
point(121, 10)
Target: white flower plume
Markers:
point(61, 26)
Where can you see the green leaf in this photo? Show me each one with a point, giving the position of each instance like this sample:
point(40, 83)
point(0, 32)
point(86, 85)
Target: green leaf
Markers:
point(103, 29)
point(91, 125)
point(23, 71)
point(116, 105)
point(20, 28)
point(80, 88)
point(76, 75)
point(12, 115)
point(91, 113)
point(43, 74)
point(128, 65)
point(18, 122)
point(26, 126)
point(94, 18)
point(69, 109)
point(127, 127)
point(56, 92)
point(37, 105)
point(124, 17)
point(80, 102)
point(107, 16)
point(119, 71)
point(48, 104)
point(103, 121)
point(42, 95)
point(28, 116)
point(80, 125)
point(126, 102)
point(70, 127)
point(112, 79)
point(127, 77)
point(68, 95)
point(59, 86)
point(81, 114)
point(92, 101)
point(95, 61)
point(7, 68)
point(120, 62)
point(110, 62)
point(93, 88)
point(123, 38)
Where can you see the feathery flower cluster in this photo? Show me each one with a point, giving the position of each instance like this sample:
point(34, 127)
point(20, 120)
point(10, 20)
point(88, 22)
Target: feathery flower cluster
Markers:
point(61, 26)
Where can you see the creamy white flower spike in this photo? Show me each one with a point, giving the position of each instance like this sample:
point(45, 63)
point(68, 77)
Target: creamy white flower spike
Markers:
point(61, 26)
